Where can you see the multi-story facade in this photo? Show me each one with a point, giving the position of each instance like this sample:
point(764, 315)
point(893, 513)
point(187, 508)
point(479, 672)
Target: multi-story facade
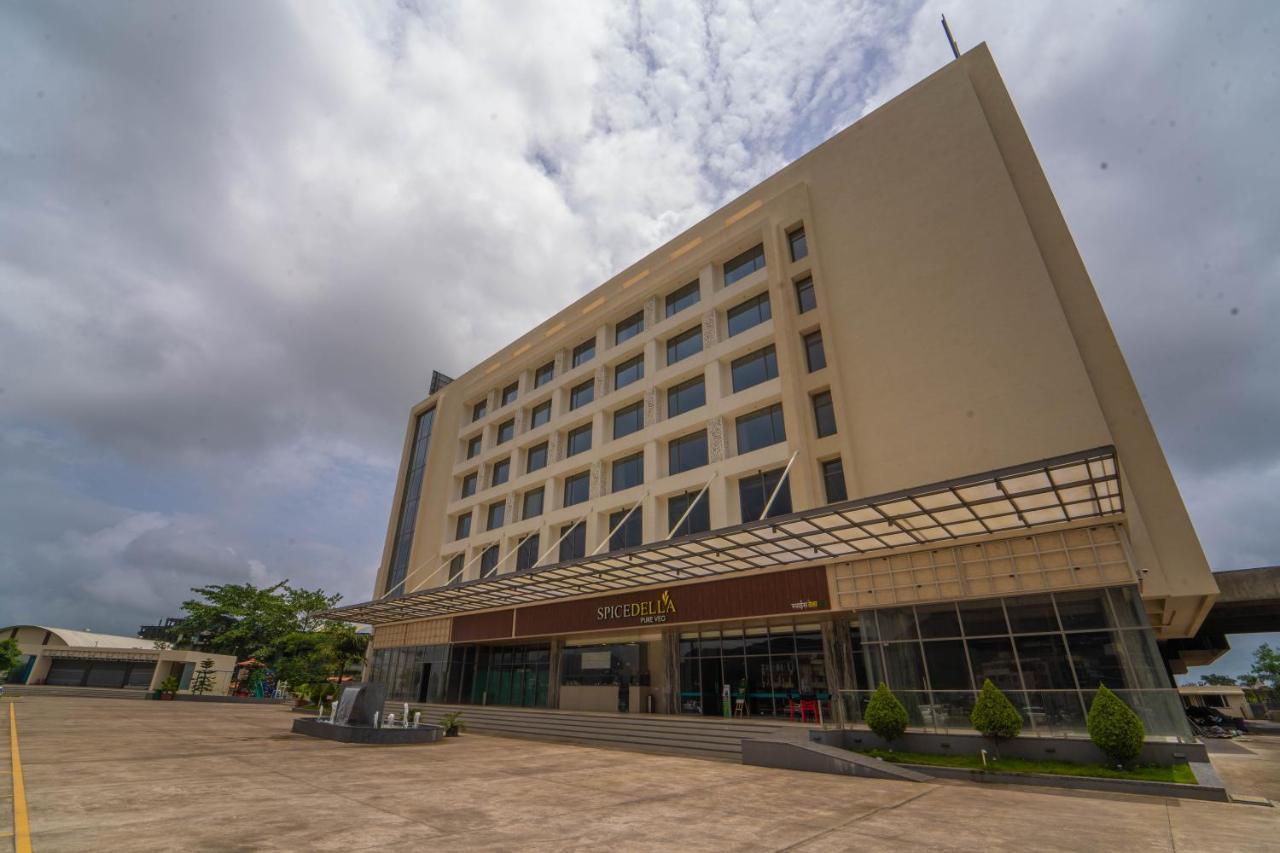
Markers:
point(866, 423)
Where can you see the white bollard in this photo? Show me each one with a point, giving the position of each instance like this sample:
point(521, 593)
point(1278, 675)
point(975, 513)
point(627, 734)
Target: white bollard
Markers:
point(417, 719)
point(376, 714)
point(391, 720)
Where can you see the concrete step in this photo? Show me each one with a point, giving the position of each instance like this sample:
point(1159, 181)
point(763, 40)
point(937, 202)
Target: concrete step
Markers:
point(700, 737)
point(82, 692)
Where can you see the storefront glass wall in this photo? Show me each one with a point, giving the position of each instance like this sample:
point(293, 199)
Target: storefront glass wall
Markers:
point(1047, 652)
point(770, 669)
point(411, 673)
point(469, 675)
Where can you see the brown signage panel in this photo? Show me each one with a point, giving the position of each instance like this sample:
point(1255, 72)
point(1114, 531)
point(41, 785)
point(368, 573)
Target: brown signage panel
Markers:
point(796, 592)
point(482, 626)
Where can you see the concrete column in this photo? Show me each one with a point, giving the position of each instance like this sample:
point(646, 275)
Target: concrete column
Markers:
point(839, 664)
point(553, 672)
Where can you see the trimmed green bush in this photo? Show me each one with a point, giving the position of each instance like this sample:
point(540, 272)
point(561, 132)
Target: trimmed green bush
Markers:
point(1114, 728)
point(885, 715)
point(993, 714)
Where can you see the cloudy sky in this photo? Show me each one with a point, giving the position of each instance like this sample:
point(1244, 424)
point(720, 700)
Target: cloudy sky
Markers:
point(236, 238)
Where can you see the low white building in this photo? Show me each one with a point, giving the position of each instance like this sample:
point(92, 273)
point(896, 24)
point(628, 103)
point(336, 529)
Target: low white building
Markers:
point(1225, 699)
point(69, 658)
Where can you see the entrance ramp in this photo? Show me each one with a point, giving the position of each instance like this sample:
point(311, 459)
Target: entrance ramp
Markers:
point(700, 737)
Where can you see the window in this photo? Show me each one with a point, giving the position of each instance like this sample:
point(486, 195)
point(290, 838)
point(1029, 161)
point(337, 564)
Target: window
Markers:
point(497, 515)
point(479, 410)
point(509, 393)
point(582, 394)
point(463, 528)
point(833, 481)
point(540, 415)
point(630, 533)
point(754, 492)
point(628, 472)
point(488, 560)
point(501, 472)
point(685, 344)
point(744, 265)
point(573, 544)
point(577, 488)
point(506, 430)
point(678, 300)
point(535, 457)
point(686, 396)
point(628, 328)
point(544, 374)
point(761, 428)
point(473, 446)
point(687, 453)
point(527, 553)
point(629, 371)
point(799, 247)
point(628, 419)
point(754, 368)
point(579, 440)
point(699, 518)
point(806, 299)
point(584, 352)
point(824, 414)
point(455, 567)
point(813, 353)
point(753, 312)
point(531, 506)
point(469, 485)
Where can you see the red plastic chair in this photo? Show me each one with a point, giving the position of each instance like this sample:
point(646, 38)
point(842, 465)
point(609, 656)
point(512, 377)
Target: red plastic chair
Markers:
point(807, 707)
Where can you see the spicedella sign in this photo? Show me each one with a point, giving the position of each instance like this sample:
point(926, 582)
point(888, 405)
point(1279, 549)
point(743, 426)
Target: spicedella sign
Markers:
point(757, 595)
point(650, 612)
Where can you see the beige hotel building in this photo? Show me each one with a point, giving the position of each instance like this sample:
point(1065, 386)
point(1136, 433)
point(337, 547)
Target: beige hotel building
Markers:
point(868, 422)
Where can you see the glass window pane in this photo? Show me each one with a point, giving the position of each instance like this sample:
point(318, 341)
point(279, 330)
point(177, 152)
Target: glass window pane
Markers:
point(799, 246)
point(806, 299)
point(579, 440)
point(541, 414)
point(544, 374)
point(948, 669)
point(938, 620)
point(532, 503)
point(506, 431)
point(896, 624)
point(814, 355)
point(743, 316)
point(824, 414)
point(697, 521)
point(761, 428)
point(629, 371)
point(1096, 659)
point(1030, 614)
point(1082, 610)
point(678, 300)
point(1126, 604)
point(993, 658)
point(629, 327)
point(983, 617)
point(687, 453)
point(686, 397)
point(536, 458)
point(576, 488)
point(833, 481)
point(628, 419)
point(744, 265)
point(754, 368)
point(684, 345)
point(756, 641)
point(1044, 662)
point(904, 668)
point(628, 472)
point(582, 394)
point(584, 352)
point(782, 641)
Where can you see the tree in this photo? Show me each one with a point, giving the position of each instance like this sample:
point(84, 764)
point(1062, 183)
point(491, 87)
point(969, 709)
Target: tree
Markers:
point(1114, 728)
point(994, 716)
point(246, 621)
point(1266, 667)
point(1215, 680)
point(885, 715)
point(306, 659)
point(11, 656)
point(202, 681)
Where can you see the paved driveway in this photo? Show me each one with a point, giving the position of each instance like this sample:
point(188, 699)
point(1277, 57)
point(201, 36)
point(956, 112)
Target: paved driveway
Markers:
point(129, 775)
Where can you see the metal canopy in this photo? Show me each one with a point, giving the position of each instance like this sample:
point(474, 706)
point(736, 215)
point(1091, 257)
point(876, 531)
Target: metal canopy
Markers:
point(1065, 488)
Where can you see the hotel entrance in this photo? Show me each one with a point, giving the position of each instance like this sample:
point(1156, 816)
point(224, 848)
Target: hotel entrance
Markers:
point(772, 669)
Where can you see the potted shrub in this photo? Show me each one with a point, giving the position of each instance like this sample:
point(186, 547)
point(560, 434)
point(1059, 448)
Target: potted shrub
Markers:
point(169, 688)
point(452, 724)
point(994, 716)
point(1114, 728)
point(886, 715)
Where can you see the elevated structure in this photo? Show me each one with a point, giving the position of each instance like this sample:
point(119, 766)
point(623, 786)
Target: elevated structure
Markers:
point(867, 422)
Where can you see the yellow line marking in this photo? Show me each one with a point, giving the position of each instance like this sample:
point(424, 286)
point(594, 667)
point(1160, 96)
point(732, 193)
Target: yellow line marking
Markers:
point(634, 279)
point(751, 208)
point(21, 827)
point(557, 327)
point(686, 247)
point(593, 306)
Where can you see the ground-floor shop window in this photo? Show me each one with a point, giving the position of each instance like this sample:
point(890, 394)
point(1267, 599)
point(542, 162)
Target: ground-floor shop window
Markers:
point(1048, 652)
point(775, 670)
point(499, 675)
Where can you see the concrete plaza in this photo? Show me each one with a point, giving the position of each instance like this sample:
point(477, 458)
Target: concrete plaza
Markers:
point(107, 774)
